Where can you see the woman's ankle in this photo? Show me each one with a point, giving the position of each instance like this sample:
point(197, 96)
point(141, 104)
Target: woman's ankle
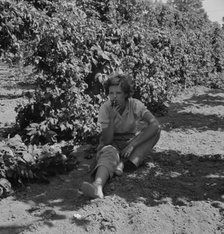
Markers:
point(98, 183)
point(99, 189)
point(119, 169)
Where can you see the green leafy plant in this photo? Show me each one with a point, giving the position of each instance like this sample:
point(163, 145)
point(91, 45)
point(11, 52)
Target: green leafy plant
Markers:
point(73, 46)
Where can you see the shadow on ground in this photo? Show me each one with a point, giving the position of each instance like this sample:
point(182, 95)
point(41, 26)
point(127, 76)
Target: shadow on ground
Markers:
point(165, 177)
point(174, 178)
point(201, 112)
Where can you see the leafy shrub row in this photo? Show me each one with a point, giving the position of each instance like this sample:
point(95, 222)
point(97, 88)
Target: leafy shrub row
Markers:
point(74, 45)
point(20, 164)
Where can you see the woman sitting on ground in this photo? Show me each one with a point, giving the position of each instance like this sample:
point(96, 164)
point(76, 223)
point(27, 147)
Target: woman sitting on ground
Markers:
point(122, 146)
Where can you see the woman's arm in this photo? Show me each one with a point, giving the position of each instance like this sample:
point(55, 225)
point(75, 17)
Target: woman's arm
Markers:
point(107, 134)
point(150, 131)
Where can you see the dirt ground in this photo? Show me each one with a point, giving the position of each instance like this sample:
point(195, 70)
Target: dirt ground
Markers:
point(179, 190)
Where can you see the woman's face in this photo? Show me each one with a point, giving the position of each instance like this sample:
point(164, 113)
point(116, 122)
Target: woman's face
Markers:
point(117, 94)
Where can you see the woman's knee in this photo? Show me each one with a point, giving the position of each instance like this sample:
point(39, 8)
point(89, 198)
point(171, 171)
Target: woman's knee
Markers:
point(109, 152)
point(108, 157)
point(158, 133)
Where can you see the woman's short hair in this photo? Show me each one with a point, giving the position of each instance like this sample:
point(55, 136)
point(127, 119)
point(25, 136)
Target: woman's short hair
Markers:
point(124, 80)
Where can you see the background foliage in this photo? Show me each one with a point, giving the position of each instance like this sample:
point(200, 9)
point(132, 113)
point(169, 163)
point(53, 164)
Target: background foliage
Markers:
point(73, 45)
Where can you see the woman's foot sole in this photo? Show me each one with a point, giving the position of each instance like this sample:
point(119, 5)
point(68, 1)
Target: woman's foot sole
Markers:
point(90, 190)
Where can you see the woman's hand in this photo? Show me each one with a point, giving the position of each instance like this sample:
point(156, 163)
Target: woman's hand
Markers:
point(126, 152)
point(113, 111)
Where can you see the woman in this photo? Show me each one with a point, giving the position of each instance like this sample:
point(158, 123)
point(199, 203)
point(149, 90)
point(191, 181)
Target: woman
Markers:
point(122, 146)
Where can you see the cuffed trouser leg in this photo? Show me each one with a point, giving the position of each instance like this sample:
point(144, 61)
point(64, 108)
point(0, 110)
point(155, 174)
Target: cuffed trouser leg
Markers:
point(108, 157)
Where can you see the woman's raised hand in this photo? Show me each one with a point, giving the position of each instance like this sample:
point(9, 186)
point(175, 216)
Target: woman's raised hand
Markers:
point(114, 110)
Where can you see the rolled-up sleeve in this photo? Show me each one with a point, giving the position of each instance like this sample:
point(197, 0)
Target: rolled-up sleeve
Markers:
point(140, 109)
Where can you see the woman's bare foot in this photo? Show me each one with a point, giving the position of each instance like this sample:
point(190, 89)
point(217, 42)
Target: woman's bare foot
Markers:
point(92, 190)
point(119, 169)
